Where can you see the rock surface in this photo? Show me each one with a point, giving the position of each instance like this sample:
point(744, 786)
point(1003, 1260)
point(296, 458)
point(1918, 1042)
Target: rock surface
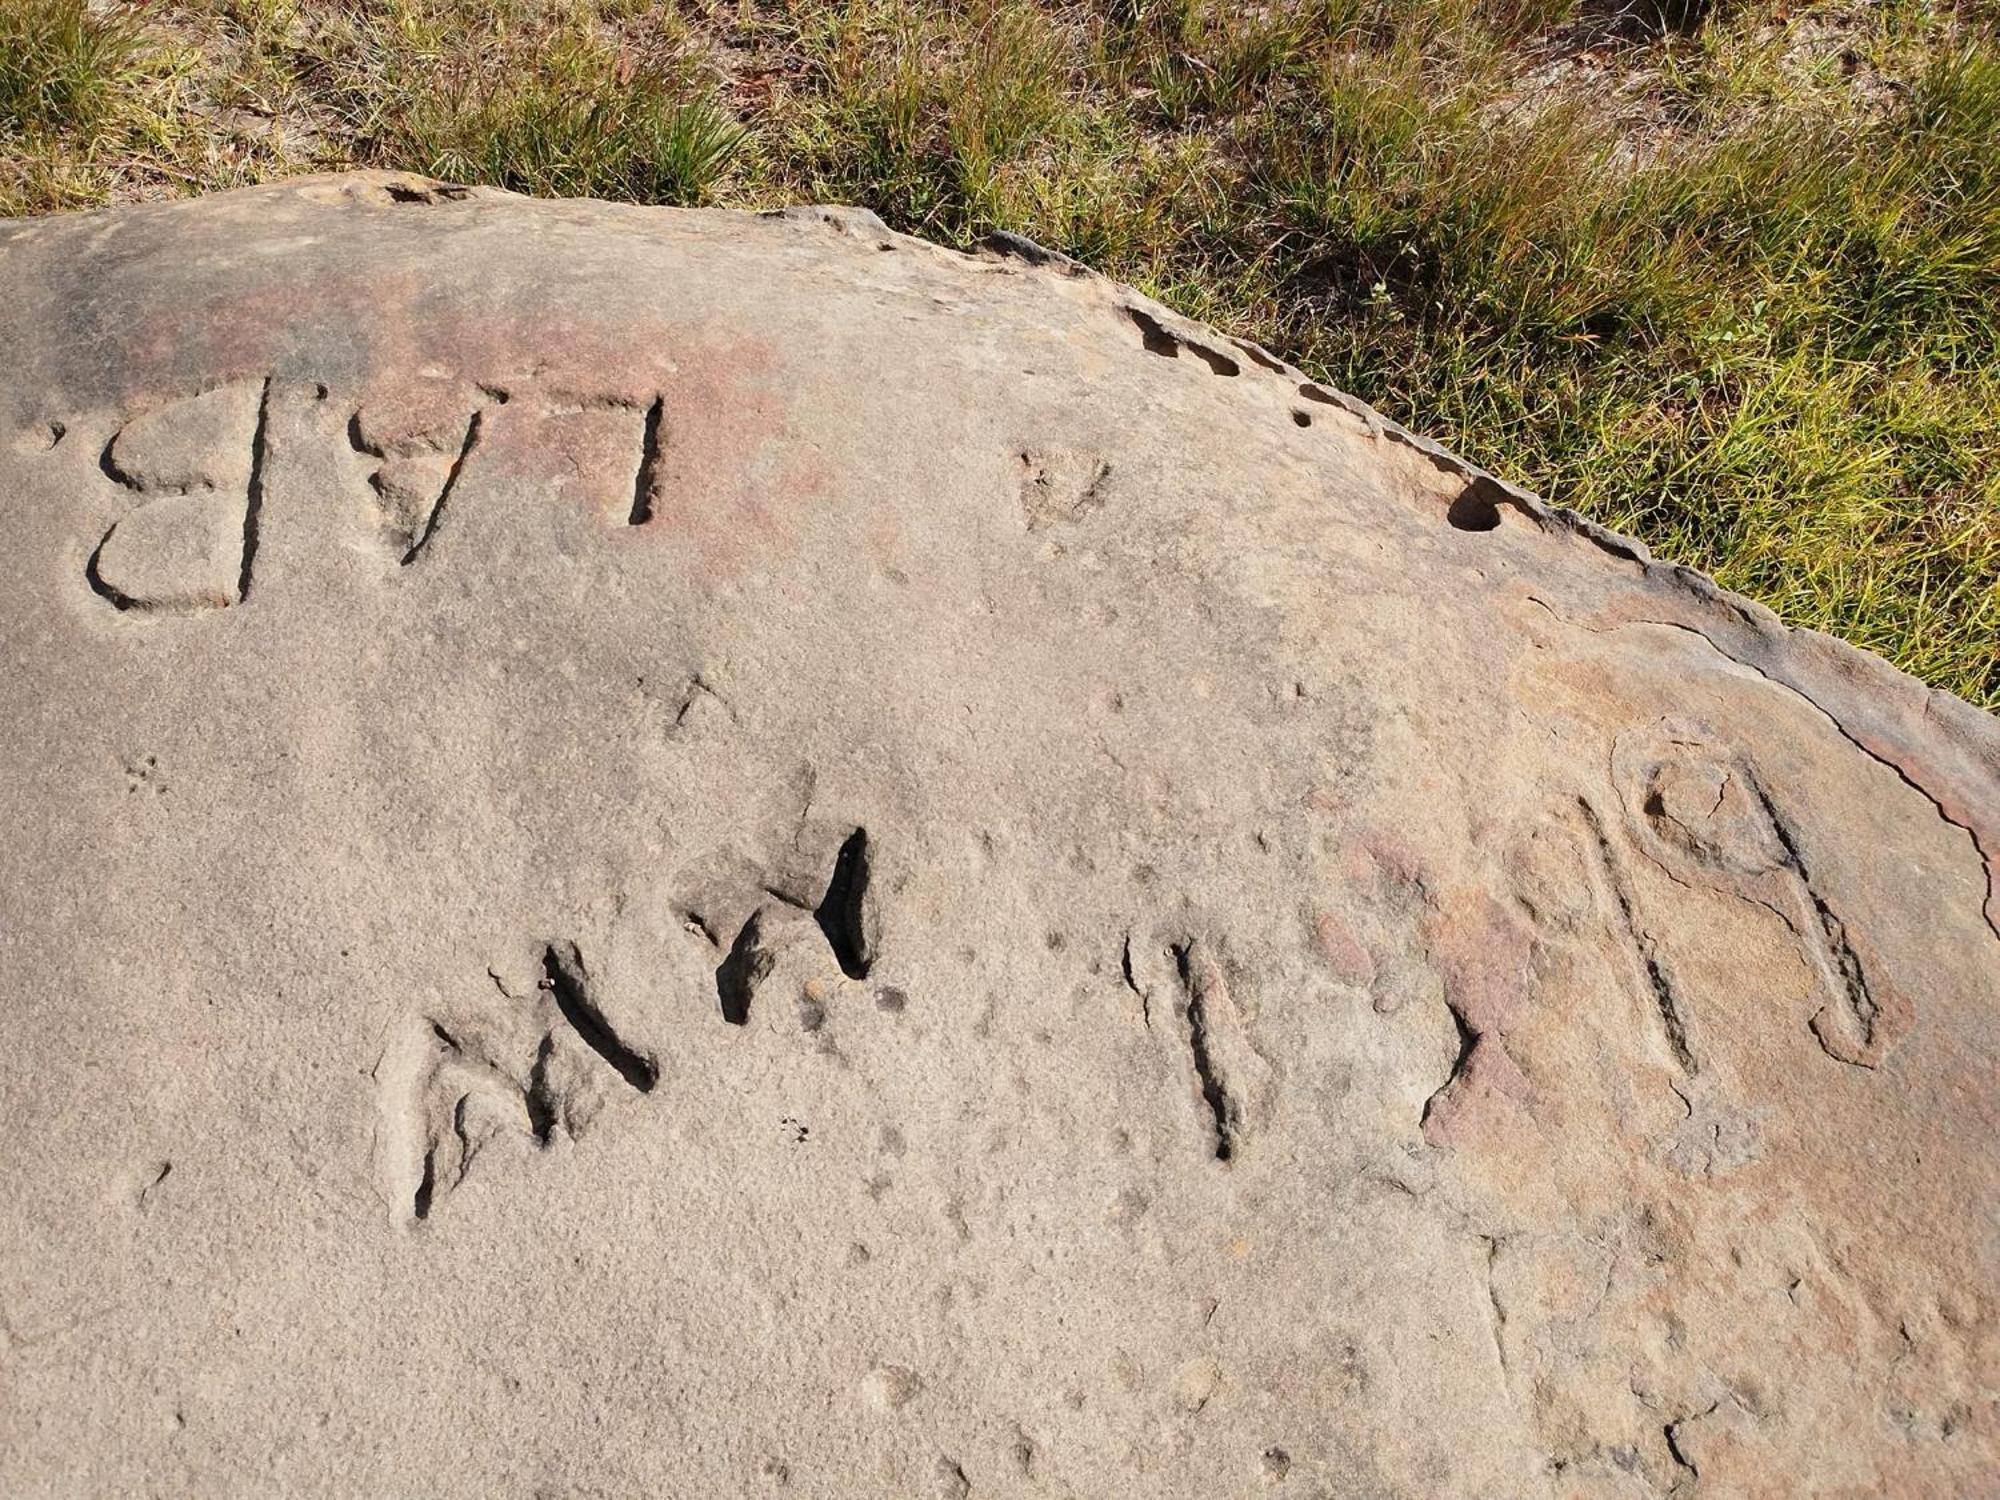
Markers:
point(688, 854)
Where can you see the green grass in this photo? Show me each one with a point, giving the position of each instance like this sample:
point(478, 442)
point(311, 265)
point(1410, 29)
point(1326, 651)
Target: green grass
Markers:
point(1730, 281)
point(61, 69)
point(559, 113)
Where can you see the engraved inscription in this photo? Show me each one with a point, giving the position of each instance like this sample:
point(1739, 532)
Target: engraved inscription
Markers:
point(196, 467)
point(191, 544)
point(1701, 812)
point(538, 1064)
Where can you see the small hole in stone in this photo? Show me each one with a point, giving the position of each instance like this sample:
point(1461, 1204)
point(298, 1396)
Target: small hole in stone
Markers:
point(1302, 418)
point(1474, 509)
point(1155, 337)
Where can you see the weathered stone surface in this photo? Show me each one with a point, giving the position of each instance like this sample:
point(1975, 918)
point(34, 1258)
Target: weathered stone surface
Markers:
point(669, 853)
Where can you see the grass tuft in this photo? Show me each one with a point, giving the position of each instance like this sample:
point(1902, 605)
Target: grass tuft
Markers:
point(61, 65)
point(632, 136)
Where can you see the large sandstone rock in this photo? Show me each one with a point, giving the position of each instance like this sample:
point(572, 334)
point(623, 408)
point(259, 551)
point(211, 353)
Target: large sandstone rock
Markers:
point(682, 854)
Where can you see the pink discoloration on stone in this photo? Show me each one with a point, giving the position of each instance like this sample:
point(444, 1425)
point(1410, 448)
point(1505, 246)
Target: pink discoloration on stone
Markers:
point(1356, 865)
point(1344, 953)
point(1395, 857)
point(414, 414)
point(1483, 955)
point(586, 457)
point(730, 480)
point(1479, 1102)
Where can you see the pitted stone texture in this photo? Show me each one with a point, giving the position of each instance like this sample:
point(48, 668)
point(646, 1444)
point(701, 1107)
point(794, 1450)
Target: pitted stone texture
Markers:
point(677, 853)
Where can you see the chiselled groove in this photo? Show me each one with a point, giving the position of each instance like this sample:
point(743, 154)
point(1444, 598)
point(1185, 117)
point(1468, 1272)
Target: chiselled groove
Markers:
point(1059, 484)
point(1468, 1043)
point(1989, 858)
point(193, 467)
point(1497, 1314)
point(1702, 808)
point(1132, 983)
point(253, 498)
point(1671, 1431)
point(1659, 983)
point(118, 599)
point(564, 977)
point(466, 1145)
point(108, 466)
point(839, 912)
point(428, 1184)
point(697, 688)
point(575, 403)
point(649, 464)
point(432, 521)
point(115, 598)
point(739, 974)
point(1827, 934)
point(540, 1098)
point(420, 1202)
point(1224, 1112)
point(451, 1084)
